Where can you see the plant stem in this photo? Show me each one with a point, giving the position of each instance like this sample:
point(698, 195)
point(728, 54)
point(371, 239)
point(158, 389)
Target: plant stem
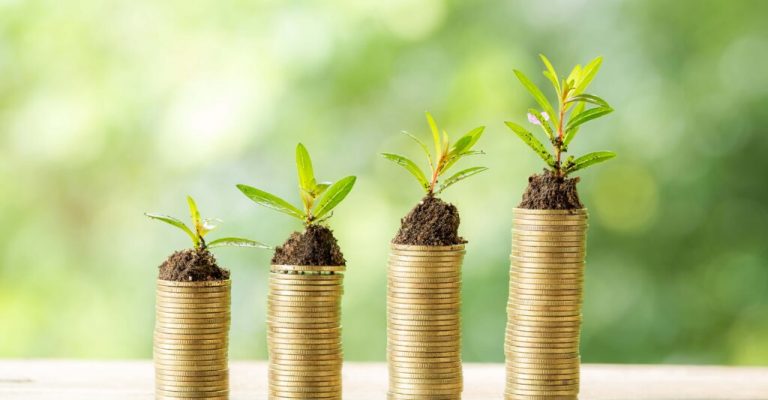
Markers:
point(560, 134)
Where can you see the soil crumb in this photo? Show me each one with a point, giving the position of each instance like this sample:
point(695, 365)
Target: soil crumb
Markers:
point(432, 222)
point(315, 246)
point(547, 191)
point(192, 265)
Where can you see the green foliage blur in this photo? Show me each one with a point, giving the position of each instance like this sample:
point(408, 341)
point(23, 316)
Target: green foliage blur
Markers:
point(111, 108)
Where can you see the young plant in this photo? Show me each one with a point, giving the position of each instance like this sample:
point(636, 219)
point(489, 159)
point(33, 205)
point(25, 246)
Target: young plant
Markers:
point(561, 125)
point(446, 155)
point(318, 199)
point(202, 227)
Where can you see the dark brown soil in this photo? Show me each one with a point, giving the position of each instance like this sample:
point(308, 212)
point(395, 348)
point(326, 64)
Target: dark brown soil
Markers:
point(192, 265)
point(432, 222)
point(547, 191)
point(315, 246)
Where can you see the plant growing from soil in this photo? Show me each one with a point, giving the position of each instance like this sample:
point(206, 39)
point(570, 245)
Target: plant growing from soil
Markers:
point(553, 189)
point(316, 245)
point(434, 222)
point(197, 264)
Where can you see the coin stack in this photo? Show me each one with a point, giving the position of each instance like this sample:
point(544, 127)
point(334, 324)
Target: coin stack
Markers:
point(191, 340)
point(544, 307)
point(423, 322)
point(304, 332)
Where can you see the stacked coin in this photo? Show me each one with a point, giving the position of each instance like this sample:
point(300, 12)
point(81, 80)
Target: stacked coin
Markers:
point(544, 307)
point(423, 322)
point(191, 340)
point(304, 332)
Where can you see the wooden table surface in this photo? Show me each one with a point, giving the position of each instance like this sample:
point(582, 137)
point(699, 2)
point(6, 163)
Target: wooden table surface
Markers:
point(117, 380)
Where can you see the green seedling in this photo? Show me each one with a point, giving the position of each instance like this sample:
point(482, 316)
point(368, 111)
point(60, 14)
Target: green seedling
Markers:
point(446, 155)
point(561, 125)
point(202, 227)
point(318, 198)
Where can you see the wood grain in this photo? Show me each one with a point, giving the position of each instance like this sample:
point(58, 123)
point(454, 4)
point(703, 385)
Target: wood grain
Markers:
point(118, 380)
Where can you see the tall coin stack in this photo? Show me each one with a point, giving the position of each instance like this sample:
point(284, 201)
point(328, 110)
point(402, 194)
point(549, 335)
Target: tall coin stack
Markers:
point(191, 340)
point(304, 332)
point(423, 322)
point(544, 307)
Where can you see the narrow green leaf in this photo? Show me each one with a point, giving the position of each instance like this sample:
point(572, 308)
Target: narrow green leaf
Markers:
point(461, 175)
point(304, 168)
point(194, 214)
point(588, 74)
point(237, 242)
point(532, 142)
point(551, 74)
point(589, 159)
point(410, 166)
point(435, 134)
point(321, 187)
point(422, 145)
point(177, 223)
point(587, 115)
point(467, 141)
point(537, 94)
point(575, 76)
point(271, 201)
point(569, 135)
point(588, 98)
point(334, 195)
point(543, 123)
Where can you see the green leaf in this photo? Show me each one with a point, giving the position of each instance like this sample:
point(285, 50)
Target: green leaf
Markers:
point(569, 135)
point(237, 242)
point(194, 214)
point(463, 147)
point(271, 201)
point(304, 168)
point(461, 175)
point(587, 115)
point(588, 98)
point(589, 159)
point(588, 74)
point(537, 94)
point(435, 134)
point(574, 77)
point(422, 145)
point(544, 124)
point(551, 74)
point(177, 223)
point(321, 187)
point(334, 195)
point(410, 166)
point(532, 142)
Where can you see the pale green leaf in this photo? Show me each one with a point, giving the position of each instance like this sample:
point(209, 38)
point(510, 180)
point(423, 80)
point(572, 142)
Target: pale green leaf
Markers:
point(270, 201)
point(532, 142)
point(537, 94)
point(304, 168)
point(435, 134)
point(590, 70)
point(589, 159)
point(334, 195)
point(551, 74)
point(587, 116)
point(237, 242)
point(574, 77)
point(321, 187)
point(410, 166)
point(459, 176)
point(463, 147)
point(422, 145)
point(194, 214)
point(177, 223)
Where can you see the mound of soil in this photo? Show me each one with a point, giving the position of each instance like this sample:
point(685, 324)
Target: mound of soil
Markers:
point(432, 222)
point(315, 246)
point(192, 265)
point(548, 191)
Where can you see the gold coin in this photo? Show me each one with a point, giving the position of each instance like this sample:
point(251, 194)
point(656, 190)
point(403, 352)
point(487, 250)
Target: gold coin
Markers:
point(194, 295)
point(308, 268)
point(422, 256)
point(434, 322)
point(397, 286)
point(424, 388)
point(195, 317)
point(524, 221)
point(454, 316)
point(451, 295)
point(422, 356)
point(427, 249)
point(398, 313)
point(435, 367)
point(423, 268)
point(196, 284)
point(299, 298)
point(189, 347)
point(303, 373)
point(201, 303)
point(314, 363)
point(180, 336)
point(544, 280)
point(317, 280)
point(424, 275)
point(549, 351)
point(518, 234)
point(190, 356)
point(280, 329)
point(277, 342)
point(543, 276)
point(405, 339)
point(314, 289)
point(304, 335)
point(423, 280)
point(168, 395)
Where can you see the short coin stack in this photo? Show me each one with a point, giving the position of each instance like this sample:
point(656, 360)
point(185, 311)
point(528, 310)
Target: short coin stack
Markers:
point(544, 307)
point(423, 322)
point(304, 332)
point(191, 340)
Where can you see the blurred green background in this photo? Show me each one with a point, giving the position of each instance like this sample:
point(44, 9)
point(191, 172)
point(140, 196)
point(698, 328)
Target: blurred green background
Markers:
point(110, 108)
